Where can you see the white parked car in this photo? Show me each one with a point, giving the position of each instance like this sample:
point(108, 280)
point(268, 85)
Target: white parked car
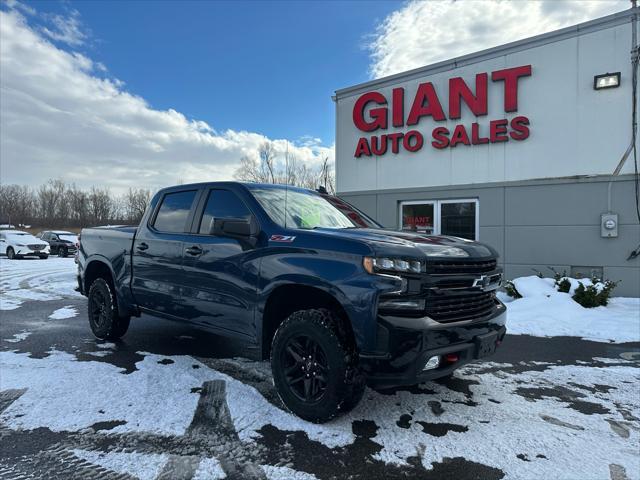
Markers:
point(17, 244)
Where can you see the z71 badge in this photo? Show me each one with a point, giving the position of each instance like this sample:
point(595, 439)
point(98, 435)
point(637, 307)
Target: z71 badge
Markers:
point(282, 238)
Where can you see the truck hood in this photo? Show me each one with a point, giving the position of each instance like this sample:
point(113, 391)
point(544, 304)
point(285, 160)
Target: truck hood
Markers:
point(393, 242)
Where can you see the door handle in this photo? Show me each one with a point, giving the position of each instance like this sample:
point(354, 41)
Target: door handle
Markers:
point(142, 246)
point(195, 250)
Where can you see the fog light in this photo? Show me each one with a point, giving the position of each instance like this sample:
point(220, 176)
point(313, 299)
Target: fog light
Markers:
point(432, 363)
point(401, 304)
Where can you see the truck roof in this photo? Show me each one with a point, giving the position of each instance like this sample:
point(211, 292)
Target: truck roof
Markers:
point(247, 185)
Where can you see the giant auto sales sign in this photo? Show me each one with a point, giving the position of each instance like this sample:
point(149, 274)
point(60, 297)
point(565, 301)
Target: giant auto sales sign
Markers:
point(373, 112)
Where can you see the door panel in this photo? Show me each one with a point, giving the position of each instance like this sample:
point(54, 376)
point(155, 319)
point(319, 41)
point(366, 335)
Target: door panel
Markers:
point(157, 255)
point(220, 278)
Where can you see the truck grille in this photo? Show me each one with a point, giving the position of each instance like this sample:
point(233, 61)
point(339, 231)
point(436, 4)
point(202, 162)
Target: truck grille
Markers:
point(446, 306)
point(448, 268)
point(35, 247)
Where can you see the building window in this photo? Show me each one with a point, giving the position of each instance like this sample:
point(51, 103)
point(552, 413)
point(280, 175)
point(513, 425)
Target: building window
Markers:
point(418, 217)
point(458, 218)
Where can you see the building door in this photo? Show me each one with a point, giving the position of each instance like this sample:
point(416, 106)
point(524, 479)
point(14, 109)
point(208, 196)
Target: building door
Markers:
point(454, 217)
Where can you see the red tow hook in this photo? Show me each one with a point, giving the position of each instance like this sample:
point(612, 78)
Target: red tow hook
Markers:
point(451, 357)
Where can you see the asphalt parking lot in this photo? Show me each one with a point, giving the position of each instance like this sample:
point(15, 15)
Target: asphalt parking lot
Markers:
point(172, 402)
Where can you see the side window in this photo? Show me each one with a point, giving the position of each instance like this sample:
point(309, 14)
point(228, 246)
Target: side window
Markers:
point(174, 211)
point(221, 204)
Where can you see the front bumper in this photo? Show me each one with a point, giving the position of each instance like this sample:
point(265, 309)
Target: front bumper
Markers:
point(28, 252)
point(405, 344)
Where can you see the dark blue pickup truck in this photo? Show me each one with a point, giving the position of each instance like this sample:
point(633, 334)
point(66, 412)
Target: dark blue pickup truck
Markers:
point(333, 299)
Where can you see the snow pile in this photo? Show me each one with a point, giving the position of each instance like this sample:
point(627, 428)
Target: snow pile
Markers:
point(543, 311)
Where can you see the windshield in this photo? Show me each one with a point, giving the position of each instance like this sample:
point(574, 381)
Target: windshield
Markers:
point(305, 209)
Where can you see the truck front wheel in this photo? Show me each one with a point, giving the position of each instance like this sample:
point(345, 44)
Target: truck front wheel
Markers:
point(104, 320)
point(314, 365)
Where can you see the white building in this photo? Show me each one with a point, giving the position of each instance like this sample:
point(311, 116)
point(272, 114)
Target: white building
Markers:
point(515, 146)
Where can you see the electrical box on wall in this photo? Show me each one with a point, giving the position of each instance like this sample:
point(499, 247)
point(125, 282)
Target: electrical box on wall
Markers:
point(609, 225)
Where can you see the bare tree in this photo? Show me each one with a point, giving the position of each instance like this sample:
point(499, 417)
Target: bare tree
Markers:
point(16, 204)
point(267, 154)
point(101, 206)
point(135, 203)
point(50, 197)
point(78, 203)
point(328, 176)
point(289, 172)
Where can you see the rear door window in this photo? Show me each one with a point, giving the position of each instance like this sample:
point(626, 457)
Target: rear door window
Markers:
point(174, 211)
point(221, 204)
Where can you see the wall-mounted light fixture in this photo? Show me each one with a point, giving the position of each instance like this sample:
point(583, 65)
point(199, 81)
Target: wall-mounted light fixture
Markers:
point(607, 80)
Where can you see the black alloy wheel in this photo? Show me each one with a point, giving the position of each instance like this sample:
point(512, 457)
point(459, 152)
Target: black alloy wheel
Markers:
point(104, 320)
point(98, 309)
point(315, 365)
point(306, 368)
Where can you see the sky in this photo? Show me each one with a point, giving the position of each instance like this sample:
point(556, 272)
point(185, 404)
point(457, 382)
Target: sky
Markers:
point(149, 93)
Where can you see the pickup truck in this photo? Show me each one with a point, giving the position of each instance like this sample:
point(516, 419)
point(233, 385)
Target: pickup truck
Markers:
point(334, 300)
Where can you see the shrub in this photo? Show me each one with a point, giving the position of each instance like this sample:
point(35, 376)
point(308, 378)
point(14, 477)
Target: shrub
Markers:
point(594, 295)
point(563, 285)
point(511, 290)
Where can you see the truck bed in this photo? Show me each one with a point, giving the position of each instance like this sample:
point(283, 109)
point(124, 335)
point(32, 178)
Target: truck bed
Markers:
point(109, 241)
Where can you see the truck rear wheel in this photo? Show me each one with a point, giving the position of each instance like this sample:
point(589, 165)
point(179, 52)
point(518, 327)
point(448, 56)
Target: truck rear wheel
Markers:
point(314, 365)
point(104, 320)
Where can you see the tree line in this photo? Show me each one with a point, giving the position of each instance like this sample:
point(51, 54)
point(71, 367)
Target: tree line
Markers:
point(285, 170)
point(56, 204)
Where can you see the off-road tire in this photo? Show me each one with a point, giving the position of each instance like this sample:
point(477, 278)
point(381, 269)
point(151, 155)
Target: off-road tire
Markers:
point(11, 254)
point(104, 320)
point(323, 328)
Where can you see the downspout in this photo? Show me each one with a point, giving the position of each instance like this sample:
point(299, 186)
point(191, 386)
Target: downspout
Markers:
point(634, 123)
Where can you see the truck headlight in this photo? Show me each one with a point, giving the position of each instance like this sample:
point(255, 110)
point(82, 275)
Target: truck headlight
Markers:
point(397, 265)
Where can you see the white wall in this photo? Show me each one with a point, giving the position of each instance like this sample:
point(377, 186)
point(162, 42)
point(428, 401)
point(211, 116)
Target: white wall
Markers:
point(575, 130)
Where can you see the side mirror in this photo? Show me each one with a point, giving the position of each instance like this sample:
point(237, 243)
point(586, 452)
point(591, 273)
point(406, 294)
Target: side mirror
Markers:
point(235, 227)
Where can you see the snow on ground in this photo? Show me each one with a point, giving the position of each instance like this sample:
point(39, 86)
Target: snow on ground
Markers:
point(64, 312)
point(209, 469)
point(521, 413)
point(281, 473)
point(143, 466)
point(36, 279)
point(18, 337)
point(545, 312)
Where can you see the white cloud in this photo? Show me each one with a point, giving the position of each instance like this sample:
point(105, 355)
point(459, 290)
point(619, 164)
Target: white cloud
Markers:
point(60, 117)
point(66, 29)
point(425, 32)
